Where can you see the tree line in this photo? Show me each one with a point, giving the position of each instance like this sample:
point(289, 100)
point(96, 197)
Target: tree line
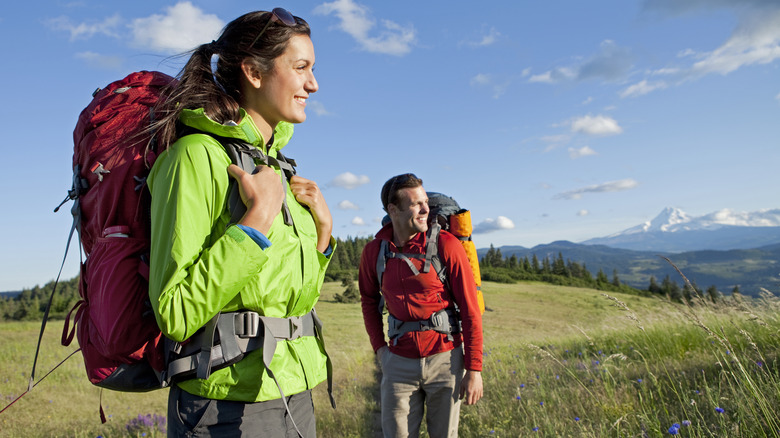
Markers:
point(495, 267)
point(30, 304)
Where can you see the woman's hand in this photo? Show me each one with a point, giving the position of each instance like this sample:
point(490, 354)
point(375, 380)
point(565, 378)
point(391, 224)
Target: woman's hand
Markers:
point(262, 193)
point(308, 193)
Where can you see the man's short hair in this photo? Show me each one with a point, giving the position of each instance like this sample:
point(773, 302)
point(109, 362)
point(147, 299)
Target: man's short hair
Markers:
point(396, 183)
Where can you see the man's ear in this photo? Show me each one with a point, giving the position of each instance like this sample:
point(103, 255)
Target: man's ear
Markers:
point(392, 209)
point(251, 73)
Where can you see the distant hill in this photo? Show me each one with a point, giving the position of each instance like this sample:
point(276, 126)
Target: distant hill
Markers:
point(10, 294)
point(750, 269)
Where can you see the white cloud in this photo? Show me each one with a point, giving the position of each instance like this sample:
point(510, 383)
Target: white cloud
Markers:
point(317, 107)
point(105, 27)
point(554, 76)
point(486, 40)
point(490, 225)
point(612, 186)
point(583, 213)
point(486, 80)
point(481, 79)
point(349, 180)
point(642, 88)
point(581, 152)
point(596, 125)
point(182, 28)
point(666, 71)
point(610, 63)
point(101, 61)
point(347, 205)
point(392, 38)
point(357, 220)
point(559, 138)
point(686, 53)
point(756, 40)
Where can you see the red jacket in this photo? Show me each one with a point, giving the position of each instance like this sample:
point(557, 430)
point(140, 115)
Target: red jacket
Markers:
point(413, 298)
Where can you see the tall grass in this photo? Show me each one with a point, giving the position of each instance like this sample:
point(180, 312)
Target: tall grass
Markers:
point(559, 361)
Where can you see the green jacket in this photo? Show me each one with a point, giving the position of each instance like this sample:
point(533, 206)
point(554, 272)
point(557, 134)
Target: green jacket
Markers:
point(201, 266)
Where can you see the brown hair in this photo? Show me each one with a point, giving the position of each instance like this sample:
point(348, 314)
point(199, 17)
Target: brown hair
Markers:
point(218, 92)
point(396, 183)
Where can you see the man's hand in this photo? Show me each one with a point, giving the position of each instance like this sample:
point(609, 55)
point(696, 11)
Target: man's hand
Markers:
point(471, 387)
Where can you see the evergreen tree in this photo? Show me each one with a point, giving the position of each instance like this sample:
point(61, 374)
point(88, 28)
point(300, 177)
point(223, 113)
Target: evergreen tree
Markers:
point(615, 279)
point(601, 278)
point(527, 265)
point(487, 259)
point(546, 269)
point(350, 294)
point(654, 288)
point(713, 294)
point(559, 266)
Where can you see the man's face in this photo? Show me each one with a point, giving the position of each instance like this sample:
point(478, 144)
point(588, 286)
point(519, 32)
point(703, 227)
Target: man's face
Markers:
point(410, 214)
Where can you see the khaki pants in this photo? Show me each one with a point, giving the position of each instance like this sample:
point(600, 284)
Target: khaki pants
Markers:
point(409, 386)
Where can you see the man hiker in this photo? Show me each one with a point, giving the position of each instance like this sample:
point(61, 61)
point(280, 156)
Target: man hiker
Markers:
point(434, 329)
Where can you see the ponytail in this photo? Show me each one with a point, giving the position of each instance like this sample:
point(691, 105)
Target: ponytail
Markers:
point(218, 91)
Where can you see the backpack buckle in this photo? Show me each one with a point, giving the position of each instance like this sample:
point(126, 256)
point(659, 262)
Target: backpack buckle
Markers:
point(439, 319)
point(247, 324)
point(296, 327)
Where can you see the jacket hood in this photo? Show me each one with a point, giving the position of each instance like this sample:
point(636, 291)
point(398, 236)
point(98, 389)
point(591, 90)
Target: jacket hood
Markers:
point(245, 130)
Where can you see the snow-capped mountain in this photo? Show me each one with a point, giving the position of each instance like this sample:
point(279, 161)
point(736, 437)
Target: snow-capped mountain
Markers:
point(675, 231)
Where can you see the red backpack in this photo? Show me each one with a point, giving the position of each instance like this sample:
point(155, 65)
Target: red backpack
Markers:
point(113, 320)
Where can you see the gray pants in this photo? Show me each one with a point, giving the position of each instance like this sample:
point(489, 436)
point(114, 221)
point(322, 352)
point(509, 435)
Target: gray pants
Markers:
point(409, 386)
point(194, 416)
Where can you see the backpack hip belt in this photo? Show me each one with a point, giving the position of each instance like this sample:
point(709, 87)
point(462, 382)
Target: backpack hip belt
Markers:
point(444, 321)
point(228, 337)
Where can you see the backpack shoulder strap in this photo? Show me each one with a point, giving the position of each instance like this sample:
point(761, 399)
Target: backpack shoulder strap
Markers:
point(432, 245)
point(248, 157)
point(432, 254)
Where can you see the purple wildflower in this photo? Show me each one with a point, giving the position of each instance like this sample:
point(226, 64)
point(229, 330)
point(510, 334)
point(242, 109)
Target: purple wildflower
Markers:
point(720, 410)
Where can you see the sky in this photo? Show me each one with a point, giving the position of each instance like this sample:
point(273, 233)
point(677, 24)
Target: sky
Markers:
point(554, 120)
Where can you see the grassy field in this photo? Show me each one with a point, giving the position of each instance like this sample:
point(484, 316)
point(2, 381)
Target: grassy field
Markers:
point(559, 361)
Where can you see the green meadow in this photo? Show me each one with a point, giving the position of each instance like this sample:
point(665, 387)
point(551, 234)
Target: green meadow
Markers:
point(559, 362)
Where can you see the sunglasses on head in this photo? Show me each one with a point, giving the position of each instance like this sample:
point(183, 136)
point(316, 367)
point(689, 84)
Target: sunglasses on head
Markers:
point(277, 14)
